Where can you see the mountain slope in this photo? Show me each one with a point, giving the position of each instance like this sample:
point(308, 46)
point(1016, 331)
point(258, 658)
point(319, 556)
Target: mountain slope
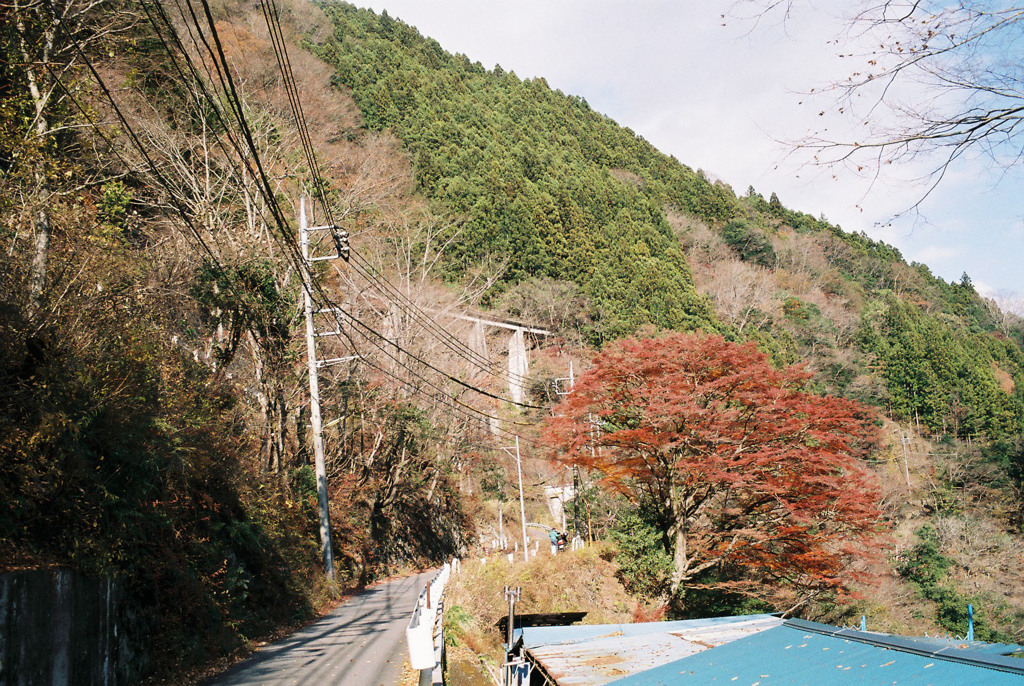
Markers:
point(539, 179)
point(533, 175)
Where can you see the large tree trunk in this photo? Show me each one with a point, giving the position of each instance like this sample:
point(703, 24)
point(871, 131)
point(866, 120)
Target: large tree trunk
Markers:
point(40, 94)
point(680, 558)
point(37, 272)
point(677, 530)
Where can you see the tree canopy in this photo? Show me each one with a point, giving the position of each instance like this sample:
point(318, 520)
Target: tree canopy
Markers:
point(749, 474)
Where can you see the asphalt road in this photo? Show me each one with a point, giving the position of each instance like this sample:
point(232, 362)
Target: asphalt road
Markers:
point(362, 643)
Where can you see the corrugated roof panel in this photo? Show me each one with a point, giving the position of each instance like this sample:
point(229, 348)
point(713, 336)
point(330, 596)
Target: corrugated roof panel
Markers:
point(604, 660)
point(611, 654)
point(938, 644)
point(722, 633)
point(793, 656)
point(549, 635)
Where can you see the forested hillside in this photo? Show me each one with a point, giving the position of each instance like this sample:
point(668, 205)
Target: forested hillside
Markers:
point(537, 177)
point(561, 192)
point(155, 413)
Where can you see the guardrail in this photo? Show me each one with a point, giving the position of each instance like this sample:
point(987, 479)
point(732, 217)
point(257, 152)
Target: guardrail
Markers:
point(425, 631)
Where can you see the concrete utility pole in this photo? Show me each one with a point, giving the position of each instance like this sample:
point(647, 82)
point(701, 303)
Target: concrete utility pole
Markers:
point(575, 468)
point(314, 401)
point(501, 524)
point(522, 505)
point(340, 240)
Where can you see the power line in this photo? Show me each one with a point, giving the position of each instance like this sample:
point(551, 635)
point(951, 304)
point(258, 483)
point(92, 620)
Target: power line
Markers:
point(263, 190)
point(271, 201)
point(378, 336)
point(133, 136)
point(368, 333)
point(272, 19)
point(416, 312)
point(222, 68)
point(220, 62)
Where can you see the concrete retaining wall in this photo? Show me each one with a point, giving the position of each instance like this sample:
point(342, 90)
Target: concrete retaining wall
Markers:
point(58, 627)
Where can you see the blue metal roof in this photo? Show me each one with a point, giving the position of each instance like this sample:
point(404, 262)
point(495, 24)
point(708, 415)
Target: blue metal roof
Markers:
point(802, 653)
point(939, 644)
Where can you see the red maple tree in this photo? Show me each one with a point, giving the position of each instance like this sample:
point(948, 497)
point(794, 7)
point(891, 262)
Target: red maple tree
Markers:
point(746, 467)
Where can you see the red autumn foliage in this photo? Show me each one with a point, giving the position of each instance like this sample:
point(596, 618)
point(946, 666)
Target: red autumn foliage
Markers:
point(747, 468)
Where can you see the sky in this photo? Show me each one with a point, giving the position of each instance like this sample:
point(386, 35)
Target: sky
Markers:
point(730, 96)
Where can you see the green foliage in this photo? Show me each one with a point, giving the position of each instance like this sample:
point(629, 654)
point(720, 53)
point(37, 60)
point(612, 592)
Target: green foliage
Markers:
point(113, 204)
point(302, 480)
point(749, 243)
point(941, 373)
point(779, 345)
point(797, 310)
point(926, 566)
point(1008, 453)
point(644, 566)
point(457, 621)
point(246, 297)
point(710, 597)
point(539, 177)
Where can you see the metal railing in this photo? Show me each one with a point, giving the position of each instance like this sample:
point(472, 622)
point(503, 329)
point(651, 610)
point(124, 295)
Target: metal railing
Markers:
point(425, 635)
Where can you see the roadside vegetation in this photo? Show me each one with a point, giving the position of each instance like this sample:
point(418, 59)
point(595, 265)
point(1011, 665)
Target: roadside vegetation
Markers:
point(584, 580)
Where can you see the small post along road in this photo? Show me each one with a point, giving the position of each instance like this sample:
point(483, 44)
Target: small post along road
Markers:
point(362, 643)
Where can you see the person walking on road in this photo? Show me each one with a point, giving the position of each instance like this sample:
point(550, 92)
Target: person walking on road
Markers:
point(553, 535)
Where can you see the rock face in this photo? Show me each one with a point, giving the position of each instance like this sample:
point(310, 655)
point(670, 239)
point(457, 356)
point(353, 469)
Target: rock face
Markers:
point(59, 627)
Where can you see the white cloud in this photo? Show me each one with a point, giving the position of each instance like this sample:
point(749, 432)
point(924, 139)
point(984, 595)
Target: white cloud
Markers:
point(933, 253)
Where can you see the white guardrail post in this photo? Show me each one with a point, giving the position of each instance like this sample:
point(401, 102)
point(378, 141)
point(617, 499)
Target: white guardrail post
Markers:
point(424, 635)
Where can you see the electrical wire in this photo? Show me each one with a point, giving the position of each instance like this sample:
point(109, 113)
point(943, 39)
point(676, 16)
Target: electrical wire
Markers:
point(272, 18)
point(370, 334)
point(154, 168)
point(224, 75)
point(232, 93)
point(237, 110)
point(417, 313)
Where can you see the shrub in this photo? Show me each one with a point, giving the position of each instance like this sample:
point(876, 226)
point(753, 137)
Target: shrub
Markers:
point(644, 566)
point(750, 244)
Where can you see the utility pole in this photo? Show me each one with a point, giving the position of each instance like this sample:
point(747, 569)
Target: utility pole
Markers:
point(512, 595)
point(501, 522)
point(575, 478)
point(319, 461)
point(522, 506)
point(575, 468)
